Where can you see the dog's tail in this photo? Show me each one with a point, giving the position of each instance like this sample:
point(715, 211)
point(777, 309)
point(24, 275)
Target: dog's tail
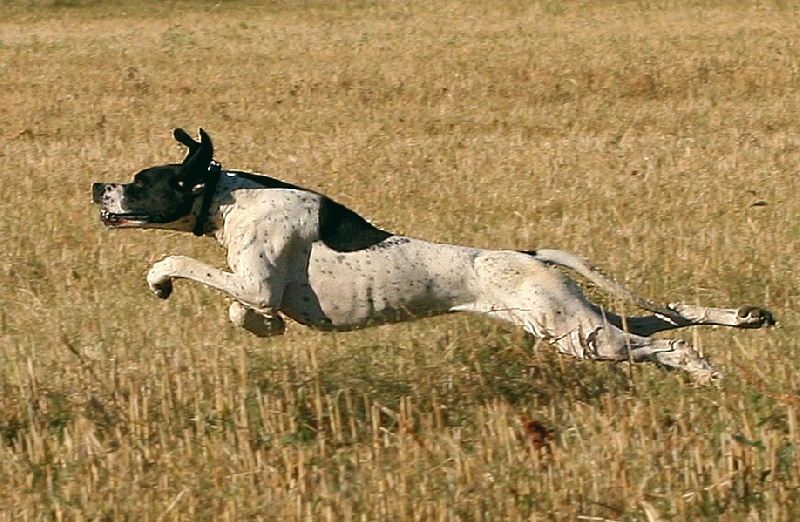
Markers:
point(582, 267)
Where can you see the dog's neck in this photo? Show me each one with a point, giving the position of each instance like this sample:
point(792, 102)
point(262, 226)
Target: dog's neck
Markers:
point(213, 205)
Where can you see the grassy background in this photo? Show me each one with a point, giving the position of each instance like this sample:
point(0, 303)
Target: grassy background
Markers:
point(659, 139)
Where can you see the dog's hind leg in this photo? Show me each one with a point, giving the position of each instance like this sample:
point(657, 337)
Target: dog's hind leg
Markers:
point(549, 305)
point(258, 324)
point(693, 315)
point(675, 315)
point(609, 343)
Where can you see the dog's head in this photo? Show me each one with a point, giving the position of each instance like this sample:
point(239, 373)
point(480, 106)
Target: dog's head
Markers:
point(159, 197)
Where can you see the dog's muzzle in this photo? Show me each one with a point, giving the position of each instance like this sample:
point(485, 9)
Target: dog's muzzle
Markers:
point(107, 196)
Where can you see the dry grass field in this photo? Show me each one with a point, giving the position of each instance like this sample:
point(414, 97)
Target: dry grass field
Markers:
point(661, 139)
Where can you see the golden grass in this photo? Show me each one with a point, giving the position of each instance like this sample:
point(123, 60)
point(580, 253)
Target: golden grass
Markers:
point(659, 139)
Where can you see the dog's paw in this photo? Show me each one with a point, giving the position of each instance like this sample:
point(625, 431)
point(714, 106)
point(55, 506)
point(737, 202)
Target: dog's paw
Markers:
point(754, 317)
point(162, 290)
point(682, 356)
point(159, 280)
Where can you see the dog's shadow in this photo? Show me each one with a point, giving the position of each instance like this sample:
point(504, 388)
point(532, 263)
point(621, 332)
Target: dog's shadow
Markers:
point(448, 381)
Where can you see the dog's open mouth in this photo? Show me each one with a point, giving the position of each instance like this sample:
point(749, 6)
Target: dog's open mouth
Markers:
point(121, 220)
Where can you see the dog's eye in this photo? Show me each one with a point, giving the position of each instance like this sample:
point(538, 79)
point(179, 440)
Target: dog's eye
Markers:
point(139, 183)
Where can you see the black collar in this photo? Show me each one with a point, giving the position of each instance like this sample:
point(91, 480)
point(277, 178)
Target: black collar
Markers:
point(214, 171)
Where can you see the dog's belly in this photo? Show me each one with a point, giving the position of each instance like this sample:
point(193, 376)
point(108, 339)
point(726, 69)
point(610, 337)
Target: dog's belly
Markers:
point(396, 280)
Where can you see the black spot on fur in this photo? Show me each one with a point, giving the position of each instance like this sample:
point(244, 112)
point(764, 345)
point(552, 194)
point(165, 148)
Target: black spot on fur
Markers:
point(340, 228)
point(343, 230)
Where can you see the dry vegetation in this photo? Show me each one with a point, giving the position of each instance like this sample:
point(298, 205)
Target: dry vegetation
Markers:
point(660, 139)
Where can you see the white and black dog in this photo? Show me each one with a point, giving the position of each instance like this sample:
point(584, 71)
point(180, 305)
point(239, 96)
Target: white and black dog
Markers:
point(298, 253)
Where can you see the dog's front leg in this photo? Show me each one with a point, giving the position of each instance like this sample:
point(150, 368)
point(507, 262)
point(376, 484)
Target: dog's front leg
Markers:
point(254, 293)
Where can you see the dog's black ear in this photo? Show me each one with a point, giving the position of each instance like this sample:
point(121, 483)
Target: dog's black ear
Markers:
point(194, 169)
point(181, 136)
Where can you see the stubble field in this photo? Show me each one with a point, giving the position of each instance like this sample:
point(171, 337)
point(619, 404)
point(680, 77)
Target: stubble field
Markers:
point(659, 139)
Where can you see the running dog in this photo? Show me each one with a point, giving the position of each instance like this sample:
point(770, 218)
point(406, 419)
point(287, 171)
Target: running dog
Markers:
point(296, 253)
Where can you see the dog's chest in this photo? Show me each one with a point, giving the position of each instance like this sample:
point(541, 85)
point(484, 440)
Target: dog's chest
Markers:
point(355, 277)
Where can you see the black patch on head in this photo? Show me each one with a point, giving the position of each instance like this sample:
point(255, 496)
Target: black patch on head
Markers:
point(155, 193)
point(164, 194)
point(343, 230)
